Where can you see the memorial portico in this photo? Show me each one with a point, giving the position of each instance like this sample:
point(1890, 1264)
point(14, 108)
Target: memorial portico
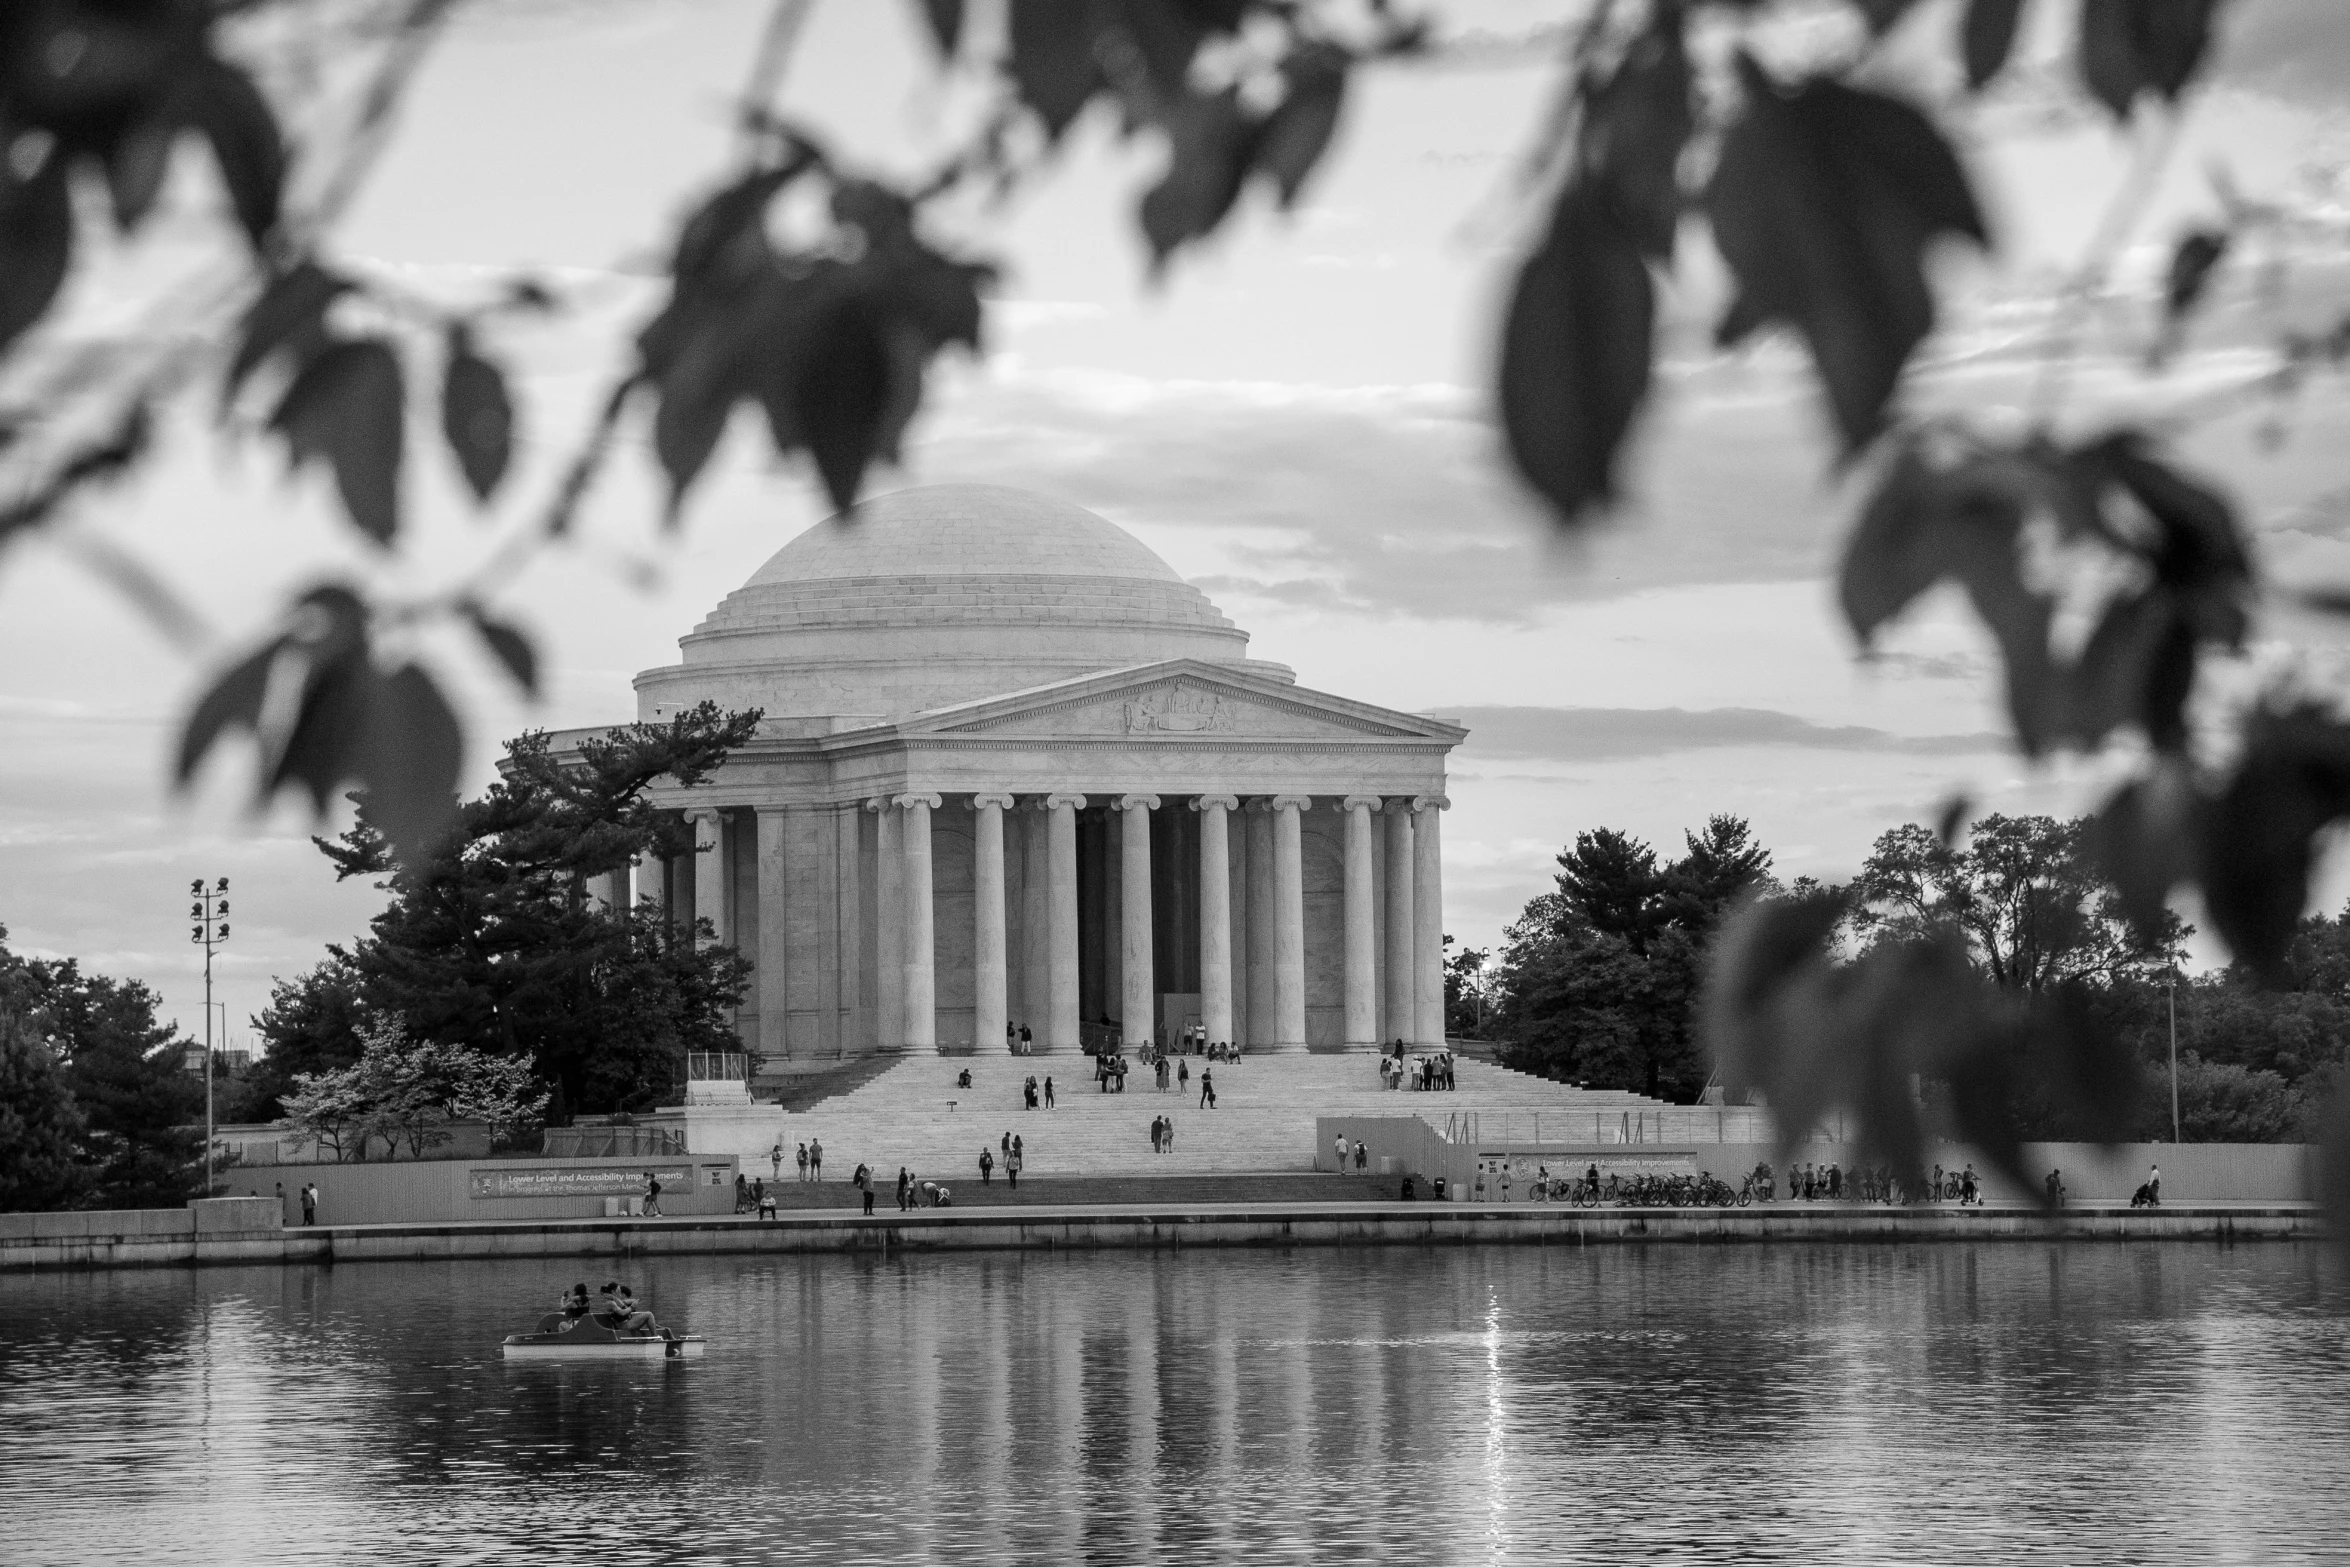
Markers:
point(1013, 770)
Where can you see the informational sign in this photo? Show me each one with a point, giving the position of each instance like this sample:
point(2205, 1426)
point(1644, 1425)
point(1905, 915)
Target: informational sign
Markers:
point(611, 1181)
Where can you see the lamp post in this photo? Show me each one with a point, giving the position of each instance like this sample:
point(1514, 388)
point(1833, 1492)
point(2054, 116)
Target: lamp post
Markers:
point(209, 911)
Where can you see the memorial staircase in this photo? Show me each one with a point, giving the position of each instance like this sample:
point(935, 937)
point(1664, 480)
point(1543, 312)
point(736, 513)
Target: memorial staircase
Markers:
point(912, 1114)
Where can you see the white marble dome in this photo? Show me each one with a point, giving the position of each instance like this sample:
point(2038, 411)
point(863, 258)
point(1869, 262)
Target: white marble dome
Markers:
point(942, 594)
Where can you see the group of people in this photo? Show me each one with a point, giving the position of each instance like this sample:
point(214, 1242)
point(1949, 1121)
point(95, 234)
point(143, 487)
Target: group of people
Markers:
point(809, 1159)
point(614, 1309)
point(1029, 1092)
point(1162, 1134)
point(1018, 1040)
point(1014, 1156)
point(1355, 1149)
point(914, 1192)
point(1430, 1072)
point(309, 1201)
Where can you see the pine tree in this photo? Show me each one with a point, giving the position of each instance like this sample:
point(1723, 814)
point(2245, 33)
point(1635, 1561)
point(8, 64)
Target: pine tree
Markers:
point(493, 943)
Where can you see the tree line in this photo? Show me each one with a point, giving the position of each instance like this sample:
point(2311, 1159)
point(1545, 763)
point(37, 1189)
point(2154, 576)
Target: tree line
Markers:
point(95, 1094)
point(1601, 979)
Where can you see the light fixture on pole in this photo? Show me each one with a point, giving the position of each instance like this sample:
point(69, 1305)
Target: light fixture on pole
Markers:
point(209, 911)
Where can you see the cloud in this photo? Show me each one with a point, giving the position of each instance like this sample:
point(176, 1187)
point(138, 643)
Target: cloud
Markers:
point(1588, 734)
point(1391, 500)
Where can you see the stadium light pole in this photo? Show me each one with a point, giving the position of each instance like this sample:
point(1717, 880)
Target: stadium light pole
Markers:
point(209, 911)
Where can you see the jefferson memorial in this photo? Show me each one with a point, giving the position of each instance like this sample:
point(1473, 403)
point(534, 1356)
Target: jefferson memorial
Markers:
point(1016, 772)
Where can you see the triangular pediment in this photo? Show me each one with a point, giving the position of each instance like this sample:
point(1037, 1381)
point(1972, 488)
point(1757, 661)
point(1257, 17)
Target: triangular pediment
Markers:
point(1177, 700)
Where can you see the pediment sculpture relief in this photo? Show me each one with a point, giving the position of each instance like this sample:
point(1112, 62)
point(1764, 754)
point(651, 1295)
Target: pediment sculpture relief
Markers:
point(1180, 710)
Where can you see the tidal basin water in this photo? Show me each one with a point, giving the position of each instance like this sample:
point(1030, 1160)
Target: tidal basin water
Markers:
point(1800, 1403)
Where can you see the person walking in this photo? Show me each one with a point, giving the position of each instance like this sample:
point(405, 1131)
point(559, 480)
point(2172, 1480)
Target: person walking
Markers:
point(1167, 1137)
point(802, 1157)
point(775, 1158)
point(815, 1159)
point(1183, 1077)
point(1157, 1124)
point(1012, 1166)
point(1005, 1146)
point(652, 1195)
point(309, 1203)
point(864, 1180)
point(1362, 1155)
point(742, 1191)
point(986, 1165)
point(1207, 1089)
point(1027, 1041)
point(1505, 1183)
point(1048, 1092)
point(905, 1182)
point(1339, 1143)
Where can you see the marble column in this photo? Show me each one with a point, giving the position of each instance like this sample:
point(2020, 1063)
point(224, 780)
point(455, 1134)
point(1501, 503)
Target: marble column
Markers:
point(889, 935)
point(1036, 883)
point(1060, 1031)
point(921, 949)
point(1428, 919)
point(1262, 1014)
point(990, 970)
point(1289, 924)
point(772, 977)
point(710, 872)
point(848, 986)
point(1138, 986)
point(652, 888)
point(1215, 914)
point(1362, 946)
point(1401, 1020)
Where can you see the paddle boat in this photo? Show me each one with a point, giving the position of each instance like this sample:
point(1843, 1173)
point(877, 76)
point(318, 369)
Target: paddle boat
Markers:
point(563, 1337)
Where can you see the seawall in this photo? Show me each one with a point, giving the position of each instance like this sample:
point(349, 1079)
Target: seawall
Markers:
point(1099, 1228)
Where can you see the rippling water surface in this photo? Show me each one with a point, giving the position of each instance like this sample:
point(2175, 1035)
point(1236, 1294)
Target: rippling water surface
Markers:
point(1808, 1403)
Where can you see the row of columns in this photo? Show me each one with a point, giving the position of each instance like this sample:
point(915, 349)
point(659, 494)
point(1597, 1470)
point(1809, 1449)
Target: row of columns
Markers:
point(1275, 968)
point(1415, 926)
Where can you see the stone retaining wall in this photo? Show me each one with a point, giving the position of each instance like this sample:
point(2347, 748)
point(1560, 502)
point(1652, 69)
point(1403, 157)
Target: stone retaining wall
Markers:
point(1370, 1224)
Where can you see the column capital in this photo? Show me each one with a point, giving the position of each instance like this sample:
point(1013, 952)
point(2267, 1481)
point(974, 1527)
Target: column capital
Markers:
point(995, 797)
point(1135, 802)
point(1361, 802)
point(909, 801)
point(1292, 802)
point(1074, 801)
point(1430, 802)
point(704, 813)
point(1227, 801)
point(876, 803)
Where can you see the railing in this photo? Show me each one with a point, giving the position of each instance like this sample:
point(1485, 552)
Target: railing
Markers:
point(613, 1142)
point(1585, 1128)
point(717, 1066)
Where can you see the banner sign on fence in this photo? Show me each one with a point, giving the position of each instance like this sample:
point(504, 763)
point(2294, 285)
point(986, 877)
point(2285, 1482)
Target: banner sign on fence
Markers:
point(606, 1182)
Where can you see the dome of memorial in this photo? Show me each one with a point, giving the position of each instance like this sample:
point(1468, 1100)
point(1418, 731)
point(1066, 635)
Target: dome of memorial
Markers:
point(943, 594)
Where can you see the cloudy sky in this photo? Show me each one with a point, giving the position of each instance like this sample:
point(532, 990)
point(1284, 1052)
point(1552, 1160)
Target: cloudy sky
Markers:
point(1296, 419)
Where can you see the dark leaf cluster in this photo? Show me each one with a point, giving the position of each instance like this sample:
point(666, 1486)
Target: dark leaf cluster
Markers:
point(345, 403)
point(326, 712)
point(830, 342)
point(111, 88)
point(1821, 1038)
